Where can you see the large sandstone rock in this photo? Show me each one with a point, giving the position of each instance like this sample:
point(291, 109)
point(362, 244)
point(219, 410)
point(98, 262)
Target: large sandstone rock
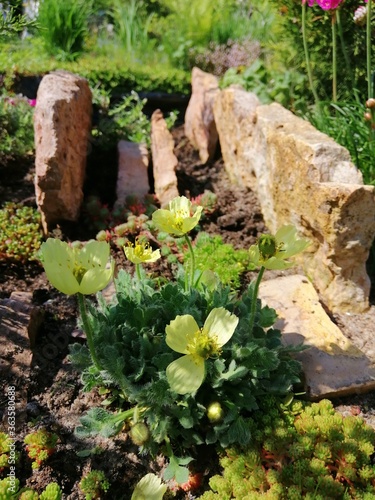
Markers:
point(305, 178)
point(62, 124)
point(132, 177)
point(163, 159)
point(333, 365)
point(200, 127)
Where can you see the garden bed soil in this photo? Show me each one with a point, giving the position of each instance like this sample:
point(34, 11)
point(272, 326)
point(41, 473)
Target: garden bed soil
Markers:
point(50, 392)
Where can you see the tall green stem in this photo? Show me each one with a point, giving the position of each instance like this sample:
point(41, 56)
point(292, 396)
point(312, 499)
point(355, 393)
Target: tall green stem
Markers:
point(191, 250)
point(346, 55)
point(88, 330)
point(306, 50)
point(334, 59)
point(254, 298)
point(368, 49)
point(138, 271)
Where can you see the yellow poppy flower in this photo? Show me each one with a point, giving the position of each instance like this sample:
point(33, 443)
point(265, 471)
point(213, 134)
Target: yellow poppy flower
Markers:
point(177, 219)
point(149, 487)
point(186, 374)
point(141, 252)
point(77, 270)
point(272, 252)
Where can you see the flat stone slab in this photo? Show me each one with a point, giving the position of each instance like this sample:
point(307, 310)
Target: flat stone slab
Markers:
point(333, 365)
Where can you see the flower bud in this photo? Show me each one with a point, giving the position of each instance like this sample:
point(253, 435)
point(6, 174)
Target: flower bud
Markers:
point(370, 103)
point(215, 412)
point(139, 433)
point(367, 116)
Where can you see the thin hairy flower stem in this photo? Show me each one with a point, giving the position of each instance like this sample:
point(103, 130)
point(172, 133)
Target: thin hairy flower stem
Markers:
point(334, 59)
point(88, 330)
point(307, 58)
point(368, 49)
point(138, 271)
point(192, 260)
point(346, 55)
point(254, 298)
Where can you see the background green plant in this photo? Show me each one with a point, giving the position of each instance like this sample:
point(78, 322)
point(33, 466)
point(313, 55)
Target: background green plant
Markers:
point(306, 451)
point(16, 128)
point(63, 27)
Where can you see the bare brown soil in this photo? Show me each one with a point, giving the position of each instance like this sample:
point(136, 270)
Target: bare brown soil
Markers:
point(51, 391)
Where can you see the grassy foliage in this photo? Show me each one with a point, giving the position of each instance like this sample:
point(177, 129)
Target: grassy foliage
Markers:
point(63, 27)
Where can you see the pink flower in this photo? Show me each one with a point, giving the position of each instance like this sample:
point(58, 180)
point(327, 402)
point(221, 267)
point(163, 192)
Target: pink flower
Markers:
point(328, 4)
point(32, 102)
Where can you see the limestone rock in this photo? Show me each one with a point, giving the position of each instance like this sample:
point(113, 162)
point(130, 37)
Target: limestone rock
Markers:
point(163, 158)
point(235, 117)
point(332, 365)
point(200, 126)
point(132, 177)
point(305, 178)
point(62, 124)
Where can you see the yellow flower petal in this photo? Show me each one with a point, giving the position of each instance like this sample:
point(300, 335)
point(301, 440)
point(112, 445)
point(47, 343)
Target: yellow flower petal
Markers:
point(186, 374)
point(94, 280)
point(149, 487)
point(180, 332)
point(58, 262)
point(221, 324)
point(72, 270)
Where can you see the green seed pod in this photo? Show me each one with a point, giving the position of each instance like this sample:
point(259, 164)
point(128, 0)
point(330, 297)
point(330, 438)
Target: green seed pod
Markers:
point(267, 246)
point(139, 433)
point(215, 412)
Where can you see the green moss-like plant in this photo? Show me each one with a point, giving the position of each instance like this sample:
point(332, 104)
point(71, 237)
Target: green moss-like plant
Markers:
point(307, 451)
point(40, 445)
point(52, 492)
point(20, 232)
point(94, 484)
point(215, 255)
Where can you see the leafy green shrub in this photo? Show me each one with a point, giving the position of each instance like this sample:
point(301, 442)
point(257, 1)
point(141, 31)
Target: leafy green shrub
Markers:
point(249, 366)
point(284, 88)
point(94, 484)
point(110, 70)
point(306, 451)
point(64, 27)
point(20, 232)
point(16, 127)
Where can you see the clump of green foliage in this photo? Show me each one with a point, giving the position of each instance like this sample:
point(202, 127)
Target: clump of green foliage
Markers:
point(64, 27)
point(40, 445)
point(16, 128)
point(20, 232)
point(10, 490)
point(133, 356)
point(94, 484)
point(125, 120)
point(213, 254)
point(306, 451)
